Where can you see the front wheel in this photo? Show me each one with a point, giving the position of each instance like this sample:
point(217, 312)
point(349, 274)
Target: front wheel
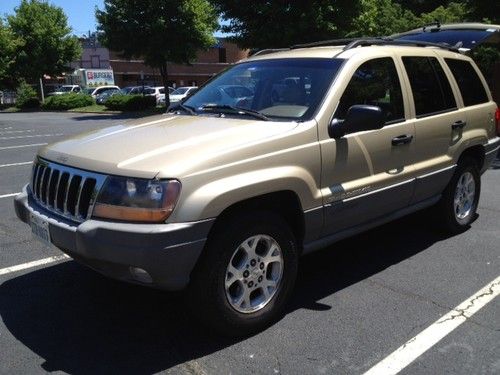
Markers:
point(246, 274)
point(458, 205)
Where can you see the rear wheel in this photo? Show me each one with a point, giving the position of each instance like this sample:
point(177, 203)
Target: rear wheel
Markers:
point(246, 275)
point(458, 205)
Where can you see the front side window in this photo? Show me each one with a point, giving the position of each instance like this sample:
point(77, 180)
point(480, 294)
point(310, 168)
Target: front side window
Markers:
point(375, 82)
point(431, 89)
point(468, 81)
point(291, 88)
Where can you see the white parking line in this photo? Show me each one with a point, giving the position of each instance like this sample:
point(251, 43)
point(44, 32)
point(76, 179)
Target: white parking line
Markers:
point(9, 195)
point(15, 164)
point(22, 146)
point(10, 127)
point(32, 136)
point(36, 263)
point(16, 131)
point(430, 336)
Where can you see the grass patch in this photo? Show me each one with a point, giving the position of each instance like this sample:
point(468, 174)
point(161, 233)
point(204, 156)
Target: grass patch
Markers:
point(94, 108)
point(11, 110)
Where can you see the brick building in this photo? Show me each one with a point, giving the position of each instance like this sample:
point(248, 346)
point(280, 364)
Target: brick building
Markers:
point(208, 63)
point(94, 55)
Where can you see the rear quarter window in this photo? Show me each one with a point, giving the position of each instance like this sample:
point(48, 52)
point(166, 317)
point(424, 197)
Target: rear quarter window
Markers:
point(431, 89)
point(468, 81)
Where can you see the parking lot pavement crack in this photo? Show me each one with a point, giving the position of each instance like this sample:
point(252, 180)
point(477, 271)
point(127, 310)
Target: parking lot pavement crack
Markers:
point(406, 293)
point(460, 313)
point(464, 312)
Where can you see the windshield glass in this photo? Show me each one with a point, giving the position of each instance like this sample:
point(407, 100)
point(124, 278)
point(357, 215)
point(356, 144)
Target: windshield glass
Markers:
point(65, 88)
point(88, 91)
point(279, 88)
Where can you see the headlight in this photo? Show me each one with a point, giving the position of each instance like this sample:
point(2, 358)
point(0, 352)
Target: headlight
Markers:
point(133, 199)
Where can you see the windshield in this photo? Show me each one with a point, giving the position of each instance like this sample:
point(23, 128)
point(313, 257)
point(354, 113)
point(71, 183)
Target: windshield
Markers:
point(279, 88)
point(180, 91)
point(65, 88)
point(126, 90)
point(88, 91)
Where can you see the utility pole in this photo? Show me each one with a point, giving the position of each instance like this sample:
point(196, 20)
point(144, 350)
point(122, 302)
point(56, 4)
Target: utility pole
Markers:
point(41, 90)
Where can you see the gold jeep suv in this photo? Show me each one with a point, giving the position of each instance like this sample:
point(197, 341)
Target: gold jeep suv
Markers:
point(310, 145)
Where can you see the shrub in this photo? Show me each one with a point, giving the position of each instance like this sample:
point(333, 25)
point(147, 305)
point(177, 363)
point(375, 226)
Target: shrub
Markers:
point(130, 102)
point(26, 97)
point(67, 101)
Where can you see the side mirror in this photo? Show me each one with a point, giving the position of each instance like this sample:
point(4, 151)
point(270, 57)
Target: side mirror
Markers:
point(359, 118)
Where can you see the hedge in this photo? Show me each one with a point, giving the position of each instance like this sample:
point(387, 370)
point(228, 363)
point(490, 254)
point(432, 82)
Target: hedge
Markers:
point(67, 101)
point(130, 102)
point(26, 97)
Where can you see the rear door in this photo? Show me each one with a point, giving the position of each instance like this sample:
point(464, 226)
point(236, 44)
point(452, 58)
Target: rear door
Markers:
point(438, 123)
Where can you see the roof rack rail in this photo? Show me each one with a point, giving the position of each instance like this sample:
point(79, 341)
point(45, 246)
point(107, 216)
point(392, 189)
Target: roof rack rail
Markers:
point(364, 42)
point(400, 42)
point(324, 43)
point(269, 50)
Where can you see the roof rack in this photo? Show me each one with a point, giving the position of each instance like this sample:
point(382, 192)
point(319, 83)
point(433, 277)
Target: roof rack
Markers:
point(269, 50)
point(364, 42)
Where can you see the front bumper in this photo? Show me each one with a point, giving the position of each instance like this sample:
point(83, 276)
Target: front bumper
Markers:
point(168, 252)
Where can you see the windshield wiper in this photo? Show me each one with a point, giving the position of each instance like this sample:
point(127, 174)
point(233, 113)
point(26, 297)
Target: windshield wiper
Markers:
point(237, 110)
point(186, 108)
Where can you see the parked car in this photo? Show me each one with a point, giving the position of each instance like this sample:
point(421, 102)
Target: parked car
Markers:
point(158, 92)
point(94, 91)
point(65, 89)
point(104, 96)
point(223, 201)
point(181, 93)
point(136, 90)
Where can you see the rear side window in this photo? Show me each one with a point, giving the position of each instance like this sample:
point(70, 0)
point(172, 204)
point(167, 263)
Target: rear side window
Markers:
point(468, 81)
point(375, 82)
point(431, 89)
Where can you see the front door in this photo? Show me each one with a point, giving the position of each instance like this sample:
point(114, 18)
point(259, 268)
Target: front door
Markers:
point(367, 175)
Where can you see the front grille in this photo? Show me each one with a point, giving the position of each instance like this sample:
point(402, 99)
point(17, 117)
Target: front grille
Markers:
point(66, 191)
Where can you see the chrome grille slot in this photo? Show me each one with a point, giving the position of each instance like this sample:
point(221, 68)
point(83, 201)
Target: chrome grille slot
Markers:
point(66, 191)
point(73, 193)
point(61, 191)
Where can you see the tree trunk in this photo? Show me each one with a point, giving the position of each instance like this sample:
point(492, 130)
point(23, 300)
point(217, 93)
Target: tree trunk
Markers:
point(164, 78)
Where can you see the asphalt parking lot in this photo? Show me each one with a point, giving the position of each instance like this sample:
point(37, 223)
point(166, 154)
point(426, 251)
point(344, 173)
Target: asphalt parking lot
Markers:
point(355, 303)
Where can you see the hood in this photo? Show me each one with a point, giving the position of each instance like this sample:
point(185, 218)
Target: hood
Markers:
point(172, 145)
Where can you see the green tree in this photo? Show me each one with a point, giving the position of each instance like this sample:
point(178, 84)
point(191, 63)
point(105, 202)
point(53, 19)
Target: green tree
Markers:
point(48, 45)
point(382, 18)
point(385, 17)
point(159, 31)
point(9, 44)
point(270, 24)
point(484, 11)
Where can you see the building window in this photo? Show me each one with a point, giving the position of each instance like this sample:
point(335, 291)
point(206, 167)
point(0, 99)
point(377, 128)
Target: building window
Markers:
point(95, 61)
point(222, 55)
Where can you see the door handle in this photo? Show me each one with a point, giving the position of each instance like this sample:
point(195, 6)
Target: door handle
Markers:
point(458, 125)
point(402, 140)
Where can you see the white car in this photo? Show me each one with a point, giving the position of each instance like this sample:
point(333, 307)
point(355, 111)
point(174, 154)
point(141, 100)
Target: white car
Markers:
point(65, 89)
point(158, 92)
point(181, 93)
point(94, 91)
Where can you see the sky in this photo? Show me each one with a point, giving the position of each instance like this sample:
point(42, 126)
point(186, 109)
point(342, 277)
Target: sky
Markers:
point(81, 13)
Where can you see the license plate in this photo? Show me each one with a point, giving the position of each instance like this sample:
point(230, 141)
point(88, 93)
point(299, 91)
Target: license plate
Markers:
point(40, 229)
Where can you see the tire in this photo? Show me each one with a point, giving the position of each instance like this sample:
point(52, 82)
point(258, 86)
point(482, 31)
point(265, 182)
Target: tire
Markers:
point(217, 296)
point(452, 217)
